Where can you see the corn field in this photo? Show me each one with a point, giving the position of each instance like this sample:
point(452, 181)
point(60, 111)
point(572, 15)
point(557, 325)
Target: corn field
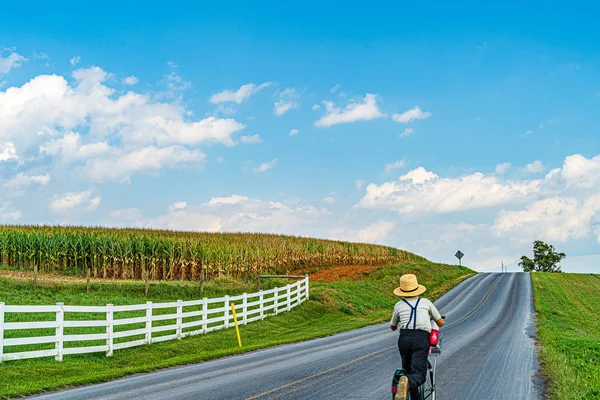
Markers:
point(173, 255)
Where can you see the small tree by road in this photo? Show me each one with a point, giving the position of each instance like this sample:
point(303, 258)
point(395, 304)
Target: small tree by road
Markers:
point(545, 259)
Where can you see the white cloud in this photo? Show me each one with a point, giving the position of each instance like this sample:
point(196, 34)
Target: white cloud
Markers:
point(375, 232)
point(355, 111)
point(558, 219)
point(178, 206)
point(73, 201)
point(580, 172)
point(534, 167)
point(131, 80)
point(250, 139)
point(265, 166)
point(69, 148)
point(8, 151)
point(176, 83)
point(359, 183)
point(75, 60)
point(315, 107)
point(294, 132)
point(220, 159)
point(88, 122)
point(287, 101)
point(21, 181)
point(239, 96)
point(421, 191)
point(329, 199)
point(395, 165)
point(334, 89)
point(233, 199)
point(407, 132)
point(121, 165)
point(503, 168)
point(411, 115)
point(13, 60)
point(529, 132)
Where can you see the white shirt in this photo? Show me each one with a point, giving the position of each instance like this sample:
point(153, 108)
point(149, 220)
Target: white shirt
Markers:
point(426, 312)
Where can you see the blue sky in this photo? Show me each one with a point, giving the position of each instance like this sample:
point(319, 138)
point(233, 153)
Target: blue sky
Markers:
point(426, 127)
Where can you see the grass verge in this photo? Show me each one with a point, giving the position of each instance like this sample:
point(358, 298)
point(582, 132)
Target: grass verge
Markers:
point(568, 322)
point(333, 307)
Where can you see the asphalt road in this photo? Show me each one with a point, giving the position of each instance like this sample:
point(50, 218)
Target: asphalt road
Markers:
point(488, 353)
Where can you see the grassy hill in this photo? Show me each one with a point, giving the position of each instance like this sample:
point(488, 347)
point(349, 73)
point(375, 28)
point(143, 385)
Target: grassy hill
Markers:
point(568, 321)
point(334, 306)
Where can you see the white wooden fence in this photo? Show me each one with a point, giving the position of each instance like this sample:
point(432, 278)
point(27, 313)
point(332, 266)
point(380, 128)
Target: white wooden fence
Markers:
point(151, 323)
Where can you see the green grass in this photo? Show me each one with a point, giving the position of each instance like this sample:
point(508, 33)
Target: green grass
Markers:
point(568, 320)
point(333, 307)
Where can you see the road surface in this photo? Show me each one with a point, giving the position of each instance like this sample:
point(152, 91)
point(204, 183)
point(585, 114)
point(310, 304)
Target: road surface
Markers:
point(488, 353)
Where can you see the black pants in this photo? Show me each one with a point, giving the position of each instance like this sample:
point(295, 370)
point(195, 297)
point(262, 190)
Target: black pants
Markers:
point(414, 349)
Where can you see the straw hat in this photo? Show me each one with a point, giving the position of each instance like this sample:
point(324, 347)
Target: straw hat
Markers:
point(409, 286)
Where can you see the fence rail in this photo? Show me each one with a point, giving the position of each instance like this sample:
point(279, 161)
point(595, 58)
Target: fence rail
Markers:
point(58, 330)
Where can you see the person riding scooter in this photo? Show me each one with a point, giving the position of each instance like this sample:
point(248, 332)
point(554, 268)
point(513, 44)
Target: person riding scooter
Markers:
point(413, 314)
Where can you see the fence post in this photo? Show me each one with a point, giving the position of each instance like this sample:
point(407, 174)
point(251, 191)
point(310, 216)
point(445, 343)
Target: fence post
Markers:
point(60, 321)
point(261, 301)
point(1, 331)
point(148, 322)
point(245, 309)
point(227, 311)
point(289, 298)
point(179, 318)
point(204, 315)
point(306, 288)
point(109, 330)
point(276, 300)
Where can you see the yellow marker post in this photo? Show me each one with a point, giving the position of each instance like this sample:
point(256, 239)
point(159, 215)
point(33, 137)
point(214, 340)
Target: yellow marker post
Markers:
point(237, 330)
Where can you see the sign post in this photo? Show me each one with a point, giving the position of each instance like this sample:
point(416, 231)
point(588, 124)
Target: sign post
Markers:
point(459, 255)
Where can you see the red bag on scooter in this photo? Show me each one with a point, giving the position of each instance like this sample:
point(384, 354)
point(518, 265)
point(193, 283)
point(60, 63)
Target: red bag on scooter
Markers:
point(434, 337)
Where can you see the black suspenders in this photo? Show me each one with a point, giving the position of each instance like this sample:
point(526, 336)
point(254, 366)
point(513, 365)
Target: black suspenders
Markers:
point(413, 311)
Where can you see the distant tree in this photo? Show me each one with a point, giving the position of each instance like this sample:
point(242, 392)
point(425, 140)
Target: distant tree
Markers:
point(545, 259)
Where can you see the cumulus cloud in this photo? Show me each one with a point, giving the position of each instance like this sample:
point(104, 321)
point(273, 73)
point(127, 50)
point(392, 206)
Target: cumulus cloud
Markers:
point(120, 165)
point(75, 60)
point(74, 201)
point(411, 115)
point(12, 60)
point(288, 100)
point(131, 80)
point(422, 191)
point(315, 107)
point(178, 206)
point(240, 95)
point(364, 110)
point(557, 219)
point(329, 199)
point(21, 181)
point(395, 165)
point(294, 132)
point(8, 152)
point(534, 167)
point(233, 199)
point(87, 123)
point(265, 166)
